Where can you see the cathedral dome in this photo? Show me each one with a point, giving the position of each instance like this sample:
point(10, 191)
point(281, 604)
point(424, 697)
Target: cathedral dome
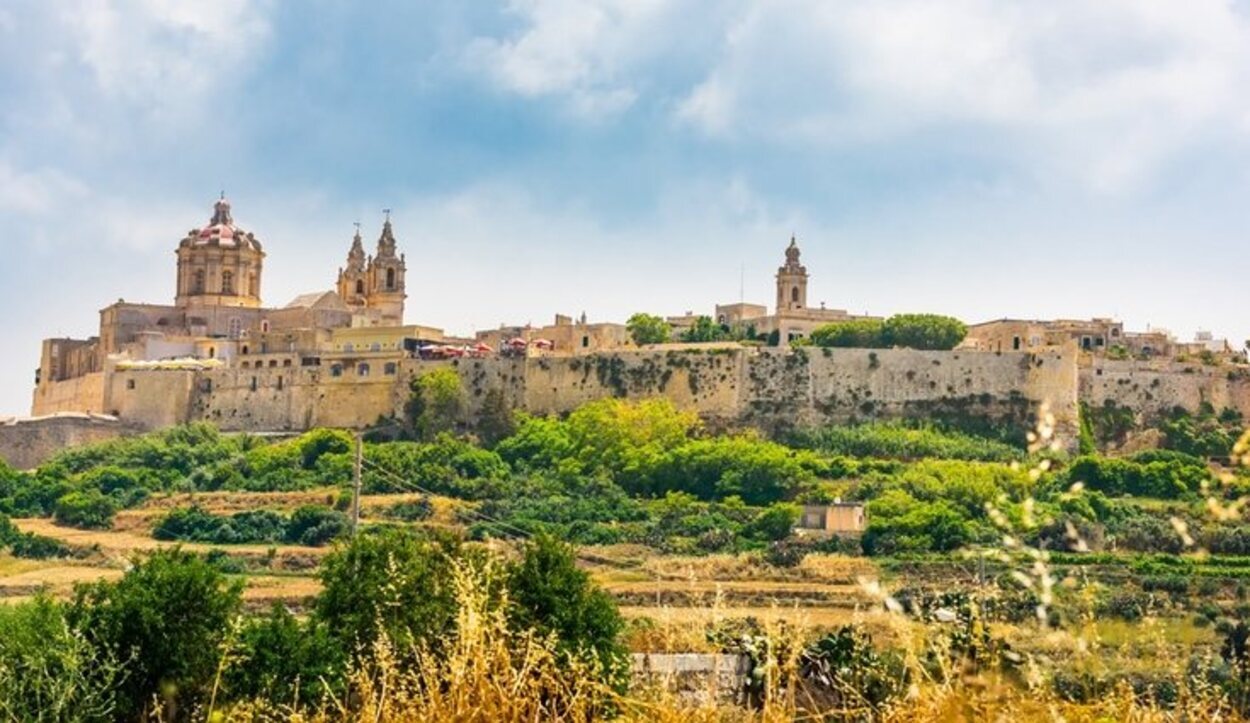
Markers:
point(222, 231)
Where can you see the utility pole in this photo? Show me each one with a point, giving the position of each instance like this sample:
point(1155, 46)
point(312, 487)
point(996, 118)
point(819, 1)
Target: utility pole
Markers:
point(360, 454)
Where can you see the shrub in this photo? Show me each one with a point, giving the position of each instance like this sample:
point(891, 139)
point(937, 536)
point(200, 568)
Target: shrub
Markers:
point(388, 580)
point(167, 617)
point(774, 523)
point(647, 329)
point(414, 511)
point(285, 661)
point(48, 671)
point(315, 526)
point(88, 510)
point(547, 592)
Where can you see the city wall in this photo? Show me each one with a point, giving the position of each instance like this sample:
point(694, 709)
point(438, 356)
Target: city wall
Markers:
point(26, 443)
point(763, 388)
point(1152, 388)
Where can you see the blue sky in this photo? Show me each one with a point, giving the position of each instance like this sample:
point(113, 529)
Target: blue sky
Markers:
point(970, 157)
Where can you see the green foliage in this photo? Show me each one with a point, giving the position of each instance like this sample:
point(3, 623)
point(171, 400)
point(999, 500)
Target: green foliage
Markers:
point(49, 671)
point(285, 661)
point(897, 440)
point(914, 331)
point(88, 510)
point(550, 594)
point(414, 511)
point(898, 522)
point(496, 420)
point(1110, 423)
point(855, 334)
point(1201, 435)
point(1086, 443)
point(776, 522)
point(1144, 476)
point(309, 525)
point(435, 403)
point(924, 331)
point(647, 329)
point(167, 618)
point(704, 329)
point(758, 471)
point(388, 580)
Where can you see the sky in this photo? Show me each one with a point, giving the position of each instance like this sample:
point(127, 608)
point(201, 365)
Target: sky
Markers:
point(1038, 159)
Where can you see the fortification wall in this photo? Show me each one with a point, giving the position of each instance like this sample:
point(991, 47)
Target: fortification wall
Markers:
point(83, 394)
point(769, 389)
point(1150, 388)
point(27, 443)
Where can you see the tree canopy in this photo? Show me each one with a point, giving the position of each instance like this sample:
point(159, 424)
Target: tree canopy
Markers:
point(647, 329)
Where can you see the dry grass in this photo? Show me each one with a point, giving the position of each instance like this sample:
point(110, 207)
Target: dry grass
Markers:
point(123, 542)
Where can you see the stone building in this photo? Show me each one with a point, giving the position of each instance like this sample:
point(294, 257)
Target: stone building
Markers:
point(792, 319)
point(218, 314)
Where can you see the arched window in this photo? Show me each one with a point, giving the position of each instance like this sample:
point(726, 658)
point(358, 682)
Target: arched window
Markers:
point(390, 278)
point(227, 282)
point(212, 353)
point(362, 370)
point(794, 294)
point(197, 283)
point(264, 326)
point(360, 287)
point(245, 348)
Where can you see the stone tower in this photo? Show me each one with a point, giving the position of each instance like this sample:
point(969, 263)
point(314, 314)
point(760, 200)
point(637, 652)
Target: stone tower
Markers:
point(385, 279)
point(353, 283)
point(791, 281)
point(220, 264)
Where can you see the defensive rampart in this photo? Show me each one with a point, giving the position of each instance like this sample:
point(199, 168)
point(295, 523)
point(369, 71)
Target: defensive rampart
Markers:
point(26, 443)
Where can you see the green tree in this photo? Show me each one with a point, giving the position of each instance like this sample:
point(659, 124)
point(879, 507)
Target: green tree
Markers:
point(924, 331)
point(285, 661)
point(704, 330)
point(167, 619)
point(856, 334)
point(88, 509)
point(435, 403)
point(392, 581)
point(647, 329)
point(549, 593)
point(776, 522)
point(496, 420)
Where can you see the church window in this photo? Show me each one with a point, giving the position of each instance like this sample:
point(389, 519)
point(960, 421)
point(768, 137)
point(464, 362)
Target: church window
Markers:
point(264, 326)
point(251, 285)
point(360, 287)
point(390, 278)
point(362, 370)
point(794, 294)
point(390, 369)
point(227, 282)
point(336, 370)
point(245, 348)
point(585, 341)
point(197, 284)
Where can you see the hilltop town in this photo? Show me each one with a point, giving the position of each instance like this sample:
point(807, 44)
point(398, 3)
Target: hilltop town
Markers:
point(344, 356)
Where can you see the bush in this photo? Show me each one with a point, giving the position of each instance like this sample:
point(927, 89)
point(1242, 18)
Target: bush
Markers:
point(389, 580)
point(896, 440)
point(89, 510)
point(48, 671)
point(285, 661)
point(167, 617)
point(315, 526)
point(900, 523)
point(548, 593)
point(414, 511)
point(774, 523)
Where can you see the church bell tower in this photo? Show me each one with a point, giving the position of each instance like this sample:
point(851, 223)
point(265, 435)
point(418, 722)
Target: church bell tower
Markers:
point(791, 281)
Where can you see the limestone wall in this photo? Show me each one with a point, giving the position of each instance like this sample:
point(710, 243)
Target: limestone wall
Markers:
point(27, 443)
point(1153, 387)
point(83, 394)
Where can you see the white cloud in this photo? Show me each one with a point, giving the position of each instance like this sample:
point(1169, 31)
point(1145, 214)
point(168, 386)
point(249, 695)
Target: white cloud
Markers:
point(161, 52)
point(1100, 93)
point(37, 192)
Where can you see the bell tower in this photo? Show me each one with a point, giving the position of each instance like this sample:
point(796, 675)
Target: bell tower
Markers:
point(385, 278)
point(353, 279)
point(791, 281)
